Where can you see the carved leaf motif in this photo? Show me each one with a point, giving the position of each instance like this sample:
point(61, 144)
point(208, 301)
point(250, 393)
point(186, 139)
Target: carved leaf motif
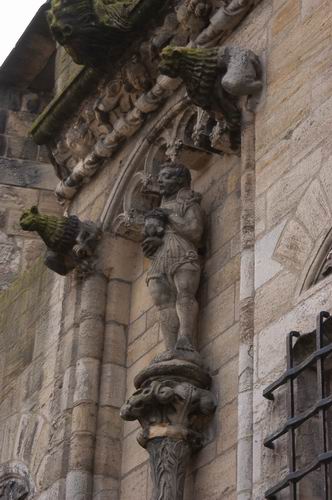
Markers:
point(169, 459)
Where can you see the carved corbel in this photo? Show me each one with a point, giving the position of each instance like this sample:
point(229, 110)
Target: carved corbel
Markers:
point(70, 243)
point(215, 79)
point(173, 405)
point(95, 31)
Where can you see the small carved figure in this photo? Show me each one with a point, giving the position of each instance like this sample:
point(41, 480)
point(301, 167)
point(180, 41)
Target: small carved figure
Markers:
point(193, 15)
point(70, 242)
point(173, 236)
point(224, 21)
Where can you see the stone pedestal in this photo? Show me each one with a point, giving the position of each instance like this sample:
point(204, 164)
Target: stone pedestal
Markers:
point(173, 404)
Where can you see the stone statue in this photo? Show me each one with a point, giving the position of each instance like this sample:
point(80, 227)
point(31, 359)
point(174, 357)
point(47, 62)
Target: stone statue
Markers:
point(70, 242)
point(173, 236)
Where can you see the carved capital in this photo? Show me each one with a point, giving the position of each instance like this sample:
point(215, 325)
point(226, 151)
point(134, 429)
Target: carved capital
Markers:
point(173, 404)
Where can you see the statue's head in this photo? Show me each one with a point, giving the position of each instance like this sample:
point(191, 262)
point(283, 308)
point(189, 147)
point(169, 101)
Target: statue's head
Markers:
point(173, 177)
point(30, 219)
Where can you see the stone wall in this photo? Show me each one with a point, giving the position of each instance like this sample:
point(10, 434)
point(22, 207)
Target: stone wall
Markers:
point(26, 179)
point(293, 197)
point(30, 312)
point(77, 350)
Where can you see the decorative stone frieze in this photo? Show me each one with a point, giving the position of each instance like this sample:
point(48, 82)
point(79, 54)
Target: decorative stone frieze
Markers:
point(70, 242)
point(126, 94)
point(215, 79)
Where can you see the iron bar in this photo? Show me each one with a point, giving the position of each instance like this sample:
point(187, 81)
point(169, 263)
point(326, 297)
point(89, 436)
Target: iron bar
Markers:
point(291, 413)
point(321, 394)
point(299, 420)
point(294, 372)
point(323, 458)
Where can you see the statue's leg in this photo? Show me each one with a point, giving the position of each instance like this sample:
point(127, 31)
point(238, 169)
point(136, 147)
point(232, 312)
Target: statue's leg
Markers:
point(187, 282)
point(164, 299)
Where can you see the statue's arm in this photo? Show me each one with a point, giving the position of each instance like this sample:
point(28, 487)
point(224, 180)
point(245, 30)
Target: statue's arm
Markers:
point(190, 225)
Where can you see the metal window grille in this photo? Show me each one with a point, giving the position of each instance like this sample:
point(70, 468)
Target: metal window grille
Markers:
point(322, 403)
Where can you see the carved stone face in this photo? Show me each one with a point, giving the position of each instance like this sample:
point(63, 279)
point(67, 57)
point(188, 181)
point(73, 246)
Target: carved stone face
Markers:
point(170, 63)
point(169, 182)
point(29, 219)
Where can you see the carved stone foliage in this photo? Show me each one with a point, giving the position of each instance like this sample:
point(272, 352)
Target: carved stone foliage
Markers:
point(173, 405)
point(215, 79)
point(94, 31)
point(70, 242)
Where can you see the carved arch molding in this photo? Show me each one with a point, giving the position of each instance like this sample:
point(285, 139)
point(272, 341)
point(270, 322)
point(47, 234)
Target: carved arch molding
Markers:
point(15, 482)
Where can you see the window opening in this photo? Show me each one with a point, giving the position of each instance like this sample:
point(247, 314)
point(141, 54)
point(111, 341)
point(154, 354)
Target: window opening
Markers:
point(318, 409)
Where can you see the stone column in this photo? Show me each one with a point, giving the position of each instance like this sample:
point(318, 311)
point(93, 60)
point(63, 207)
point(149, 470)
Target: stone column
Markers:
point(79, 480)
point(246, 306)
point(173, 404)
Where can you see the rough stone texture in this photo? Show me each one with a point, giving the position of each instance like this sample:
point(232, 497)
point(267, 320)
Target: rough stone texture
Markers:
point(26, 178)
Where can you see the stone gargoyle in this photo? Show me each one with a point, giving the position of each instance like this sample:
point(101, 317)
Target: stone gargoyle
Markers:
point(215, 78)
point(93, 31)
point(70, 242)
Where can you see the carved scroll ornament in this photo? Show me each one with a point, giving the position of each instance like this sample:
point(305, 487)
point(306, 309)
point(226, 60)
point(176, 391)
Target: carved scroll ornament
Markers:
point(70, 242)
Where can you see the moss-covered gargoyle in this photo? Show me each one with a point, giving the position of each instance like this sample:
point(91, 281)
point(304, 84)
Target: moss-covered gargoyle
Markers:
point(215, 78)
point(94, 31)
point(70, 242)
